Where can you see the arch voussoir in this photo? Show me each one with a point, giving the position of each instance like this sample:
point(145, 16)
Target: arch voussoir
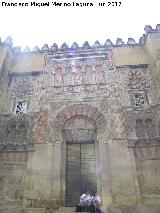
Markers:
point(80, 110)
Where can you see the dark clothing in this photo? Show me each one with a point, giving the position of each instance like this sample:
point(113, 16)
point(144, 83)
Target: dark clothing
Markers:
point(80, 208)
point(90, 209)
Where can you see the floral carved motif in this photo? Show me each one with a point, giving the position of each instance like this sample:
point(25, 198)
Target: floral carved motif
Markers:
point(136, 79)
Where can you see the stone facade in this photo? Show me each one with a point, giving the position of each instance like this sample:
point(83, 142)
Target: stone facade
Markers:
point(107, 94)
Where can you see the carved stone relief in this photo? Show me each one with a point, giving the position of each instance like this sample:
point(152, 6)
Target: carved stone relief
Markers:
point(139, 100)
point(21, 107)
point(136, 79)
point(41, 132)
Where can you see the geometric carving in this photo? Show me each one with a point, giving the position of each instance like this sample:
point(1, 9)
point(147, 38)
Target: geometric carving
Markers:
point(138, 100)
point(136, 79)
point(145, 129)
point(41, 130)
point(21, 107)
point(78, 78)
point(21, 136)
point(22, 86)
point(99, 78)
point(147, 153)
point(2, 136)
point(150, 128)
point(140, 129)
point(17, 136)
point(11, 137)
point(13, 156)
point(88, 77)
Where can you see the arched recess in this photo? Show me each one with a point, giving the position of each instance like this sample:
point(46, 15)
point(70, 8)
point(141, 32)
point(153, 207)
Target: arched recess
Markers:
point(82, 125)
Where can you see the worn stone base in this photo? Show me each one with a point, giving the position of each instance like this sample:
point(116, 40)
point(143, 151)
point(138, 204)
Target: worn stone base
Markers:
point(35, 210)
point(140, 208)
point(67, 209)
point(5, 210)
point(149, 208)
point(14, 204)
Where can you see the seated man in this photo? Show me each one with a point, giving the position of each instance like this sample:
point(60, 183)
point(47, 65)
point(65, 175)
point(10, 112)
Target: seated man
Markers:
point(96, 200)
point(85, 202)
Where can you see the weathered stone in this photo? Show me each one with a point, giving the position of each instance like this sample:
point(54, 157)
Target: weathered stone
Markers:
point(64, 47)
point(81, 118)
point(9, 41)
point(75, 46)
point(36, 49)
point(131, 41)
point(147, 29)
point(45, 48)
point(97, 44)
point(86, 45)
point(108, 42)
point(54, 47)
point(119, 42)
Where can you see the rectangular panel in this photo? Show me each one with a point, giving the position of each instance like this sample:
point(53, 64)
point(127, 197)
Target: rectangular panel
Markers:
point(88, 167)
point(73, 176)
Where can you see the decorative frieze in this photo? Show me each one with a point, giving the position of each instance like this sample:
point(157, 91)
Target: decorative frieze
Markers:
point(13, 157)
point(147, 153)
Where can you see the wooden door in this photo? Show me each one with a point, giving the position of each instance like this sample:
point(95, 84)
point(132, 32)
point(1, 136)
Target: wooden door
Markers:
point(73, 176)
point(80, 171)
point(88, 168)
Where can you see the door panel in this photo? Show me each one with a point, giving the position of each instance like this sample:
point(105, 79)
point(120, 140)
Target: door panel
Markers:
point(73, 176)
point(88, 168)
point(80, 171)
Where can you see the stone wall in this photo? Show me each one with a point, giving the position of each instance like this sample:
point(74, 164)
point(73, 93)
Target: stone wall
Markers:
point(116, 87)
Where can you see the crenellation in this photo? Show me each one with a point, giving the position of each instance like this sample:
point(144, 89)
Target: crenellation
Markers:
point(54, 47)
point(131, 41)
point(75, 46)
point(36, 49)
point(119, 42)
point(8, 41)
point(158, 27)
point(148, 29)
point(97, 44)
point(108, 43)
point(64, 47)
point(45, 48)
point(142, 40)
point(86, 45)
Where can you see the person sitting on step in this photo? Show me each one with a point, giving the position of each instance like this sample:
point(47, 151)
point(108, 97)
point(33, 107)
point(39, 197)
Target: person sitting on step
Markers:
point(85, 202)
point(96, 201)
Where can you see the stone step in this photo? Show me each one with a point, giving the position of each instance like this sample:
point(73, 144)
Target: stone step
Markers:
point(67, 209)
point(35, 210)
point(11, 210)
point(26, 210)
point(149, 208)
point(15, 204)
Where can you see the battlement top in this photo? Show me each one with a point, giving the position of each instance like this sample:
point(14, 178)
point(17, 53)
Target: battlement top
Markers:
point(85, 47)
